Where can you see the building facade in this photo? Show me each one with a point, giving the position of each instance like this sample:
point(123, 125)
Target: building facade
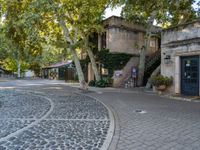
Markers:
point(60, 71)
point(180, 53)
point(122, 36)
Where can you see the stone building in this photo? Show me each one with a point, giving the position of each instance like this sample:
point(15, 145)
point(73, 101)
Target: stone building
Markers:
point(60, 71)
point(180, 51)
point(121, 36)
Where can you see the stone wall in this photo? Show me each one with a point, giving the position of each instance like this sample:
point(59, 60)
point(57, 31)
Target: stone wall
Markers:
point(183, 40)
point(122, 41)
point(127, 37)
point(126, 72)
point(181, 33)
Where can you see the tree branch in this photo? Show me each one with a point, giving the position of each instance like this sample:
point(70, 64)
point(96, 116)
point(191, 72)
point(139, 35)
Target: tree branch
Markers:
point(65, 31)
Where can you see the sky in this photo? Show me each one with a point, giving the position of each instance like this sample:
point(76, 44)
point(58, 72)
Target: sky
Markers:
point(116, 12)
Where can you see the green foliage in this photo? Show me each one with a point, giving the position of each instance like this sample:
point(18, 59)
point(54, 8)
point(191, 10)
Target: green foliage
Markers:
point(52, 54)
point(108, 60)
point(104, 82)
point(161, 80)
point(108, 80)
point(35, 66)
point(92, 83)
point(112, 61)
point(19, 38)
point(11, 65)
point(167, 12)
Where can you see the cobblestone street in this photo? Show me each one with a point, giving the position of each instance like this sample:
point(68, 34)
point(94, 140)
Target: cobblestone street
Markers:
point(49, 117)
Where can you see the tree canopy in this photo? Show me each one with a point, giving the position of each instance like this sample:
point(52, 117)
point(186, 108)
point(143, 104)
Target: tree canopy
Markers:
point(39, 32)
point(167, 12)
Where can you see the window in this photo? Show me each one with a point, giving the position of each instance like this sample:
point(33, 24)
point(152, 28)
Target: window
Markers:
point(103, 40)
point(152, 43)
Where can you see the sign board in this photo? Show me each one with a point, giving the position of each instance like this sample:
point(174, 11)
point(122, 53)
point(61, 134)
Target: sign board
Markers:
point(104, 71)
point(134, 72)
point(118, 73)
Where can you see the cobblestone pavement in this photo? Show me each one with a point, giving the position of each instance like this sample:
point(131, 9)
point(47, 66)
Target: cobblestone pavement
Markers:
point(49, 117)
point(164, 124)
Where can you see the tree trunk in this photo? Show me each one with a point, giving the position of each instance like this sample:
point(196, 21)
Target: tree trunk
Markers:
point(92, 60)
point(144, 49)
point(18, 69)
point(94, 66)
point(141, 66)
point(79, 69)
point(74, 54)
point(154, 73)
point(143, 52)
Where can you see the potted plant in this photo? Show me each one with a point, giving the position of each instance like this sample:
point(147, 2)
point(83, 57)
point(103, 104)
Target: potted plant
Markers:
point(161, 82)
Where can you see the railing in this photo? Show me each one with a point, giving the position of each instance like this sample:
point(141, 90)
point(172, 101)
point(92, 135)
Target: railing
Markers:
point(152, 59)
point(151, 64)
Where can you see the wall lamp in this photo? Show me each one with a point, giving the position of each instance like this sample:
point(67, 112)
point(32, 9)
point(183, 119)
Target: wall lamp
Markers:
point(167, 59)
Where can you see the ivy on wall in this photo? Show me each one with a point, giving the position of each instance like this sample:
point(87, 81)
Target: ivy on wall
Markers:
point(110, 61)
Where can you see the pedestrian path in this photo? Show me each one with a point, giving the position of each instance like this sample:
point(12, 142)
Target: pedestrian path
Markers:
point(149, 122)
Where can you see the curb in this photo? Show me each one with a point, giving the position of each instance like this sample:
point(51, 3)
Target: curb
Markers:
point(116, 134)
point(111, 130)
point(181, 98)
point(147, 93)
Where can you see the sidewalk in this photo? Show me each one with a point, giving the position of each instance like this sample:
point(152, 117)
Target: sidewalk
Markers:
point(145, 91)
point(146, 121)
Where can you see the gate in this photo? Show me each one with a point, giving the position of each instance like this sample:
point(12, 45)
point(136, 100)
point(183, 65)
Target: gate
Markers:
point(70, 74)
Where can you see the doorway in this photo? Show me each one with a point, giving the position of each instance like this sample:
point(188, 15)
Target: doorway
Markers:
point(190, 75)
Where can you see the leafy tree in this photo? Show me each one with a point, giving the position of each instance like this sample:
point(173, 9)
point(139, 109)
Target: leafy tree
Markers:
point(90, 25)
point(4, 48)
point(52, 54)
point(23, 40)
point(74, 19)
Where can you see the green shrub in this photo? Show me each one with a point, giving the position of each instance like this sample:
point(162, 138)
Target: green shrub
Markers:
point(102, 83)
point(111, 61)
point(92, 83)
point(105, 82)
point(161, 80)
point(109, 80)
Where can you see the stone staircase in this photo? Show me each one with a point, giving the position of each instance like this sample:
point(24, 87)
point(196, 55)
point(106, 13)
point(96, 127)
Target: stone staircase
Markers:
point(129, 83)
point(152, 59)
point(119, 82)
point(151, 64)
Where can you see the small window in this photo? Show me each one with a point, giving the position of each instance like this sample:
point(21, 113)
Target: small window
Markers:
point(152, 43)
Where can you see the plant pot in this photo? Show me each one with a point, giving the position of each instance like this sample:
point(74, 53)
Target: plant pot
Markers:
point(161, 87)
